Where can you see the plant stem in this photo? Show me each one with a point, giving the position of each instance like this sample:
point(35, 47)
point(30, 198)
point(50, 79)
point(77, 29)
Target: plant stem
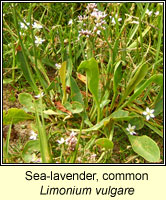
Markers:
point(76, 150)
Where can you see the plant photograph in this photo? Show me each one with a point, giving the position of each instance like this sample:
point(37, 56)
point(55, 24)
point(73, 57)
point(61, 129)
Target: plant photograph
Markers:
point(82, 82)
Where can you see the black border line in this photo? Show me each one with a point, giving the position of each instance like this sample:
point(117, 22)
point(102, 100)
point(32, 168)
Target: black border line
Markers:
point(82, 164)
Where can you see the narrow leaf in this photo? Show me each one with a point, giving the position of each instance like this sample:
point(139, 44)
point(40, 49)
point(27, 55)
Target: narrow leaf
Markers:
point(62, 73)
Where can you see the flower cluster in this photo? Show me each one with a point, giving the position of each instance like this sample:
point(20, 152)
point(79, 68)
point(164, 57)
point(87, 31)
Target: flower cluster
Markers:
point(96, 19)
point(71, 141)
point(86, 33)
point(90, 7)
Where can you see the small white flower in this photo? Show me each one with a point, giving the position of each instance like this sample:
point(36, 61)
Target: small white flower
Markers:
point(130, 129)
point(98, 32)
point(148, 113)
point(61, 141)
point(22, 33)
point(70, 22)
point(37, 26)
point(33, 135)
point(157, 13)
point(149, 12)
point(38, 40)
point(58, 66)
point(23, 26)
point(113, 21)
point(39, 95)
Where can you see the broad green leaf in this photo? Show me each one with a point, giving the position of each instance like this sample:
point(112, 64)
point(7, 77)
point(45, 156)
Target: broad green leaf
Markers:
point(135, 80)
point(74, 107)
point(7, 81)
point(24, 66)
point(26, 100)
point(138, 122)
point(158, 79)
point(16, 115)
point(119, 115)
point(75, 91)
point(29, 148)
point(91, 68)
point(62, 73)
point(155, 129)
point(105, 143)
point(145, 147)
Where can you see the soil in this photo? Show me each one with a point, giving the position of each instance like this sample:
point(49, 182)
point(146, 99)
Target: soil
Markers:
point(21, 130)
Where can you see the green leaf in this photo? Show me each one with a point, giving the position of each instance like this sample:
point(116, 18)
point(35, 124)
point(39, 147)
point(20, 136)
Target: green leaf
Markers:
point(51, 86)
point(6, 145)
point(134, 44)
point(158, 79)
point(24, 66)
point(16, 115)
point(75, 91)
point(90, 143)
point(155, 129)
point(158, 108)
point(134, 81)
point(145, 147)
point(62, 73)
point(117, 76)
point(138, 122)
point(119, 115)
point(74, 107)
point(105, 143)
point(26, 100)
point(29, 148)
point(91, 68)
point(7, 81)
